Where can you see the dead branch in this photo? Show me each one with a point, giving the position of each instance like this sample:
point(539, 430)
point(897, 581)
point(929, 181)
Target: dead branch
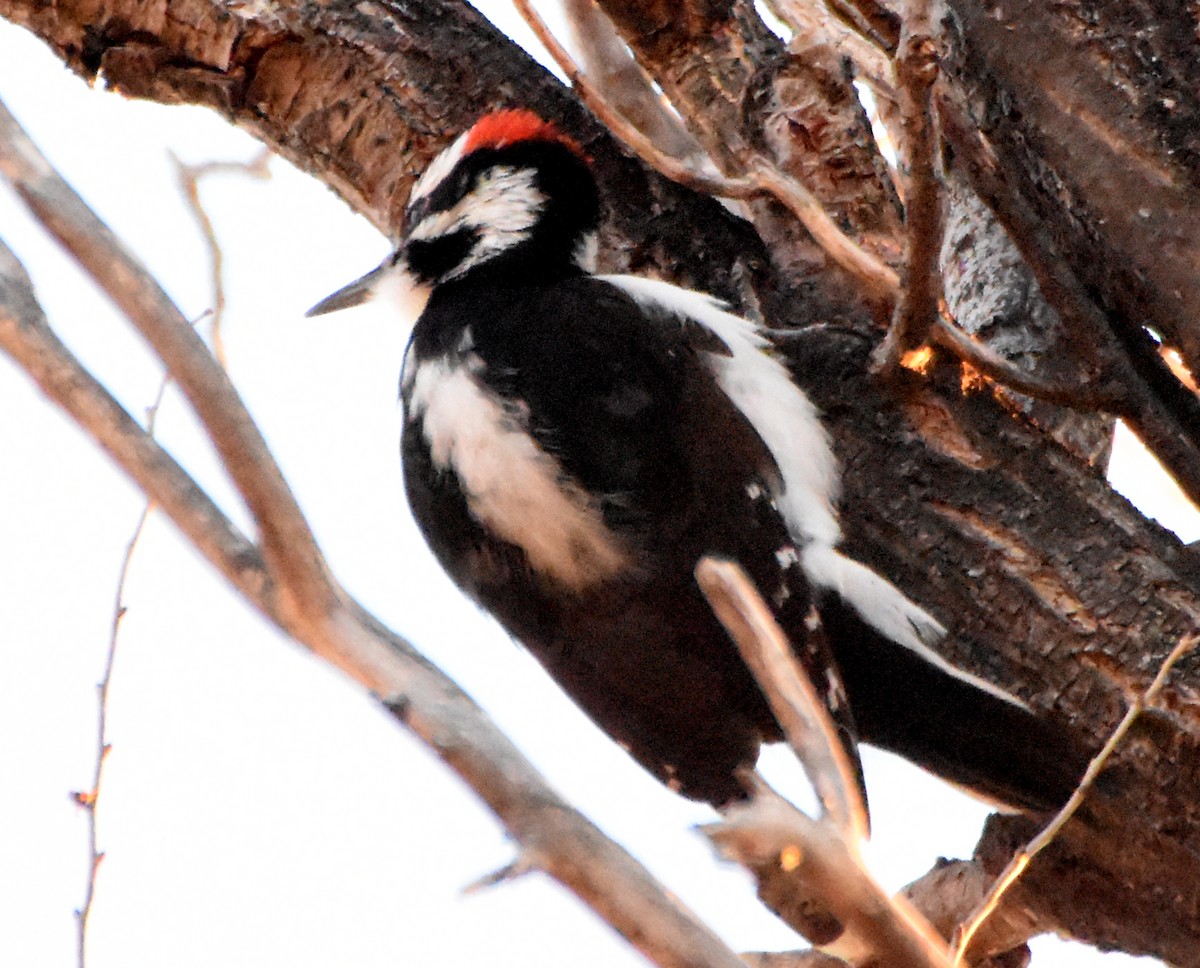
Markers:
point(1021, 861)
point(189, 182)
point(774, 839)
point(807, 725)
point(916, 71)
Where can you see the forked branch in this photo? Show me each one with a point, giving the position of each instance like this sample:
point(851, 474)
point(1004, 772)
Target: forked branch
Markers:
point(809, 871)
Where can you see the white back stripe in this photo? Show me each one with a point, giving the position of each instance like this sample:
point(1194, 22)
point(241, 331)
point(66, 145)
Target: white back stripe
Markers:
point(761, 388)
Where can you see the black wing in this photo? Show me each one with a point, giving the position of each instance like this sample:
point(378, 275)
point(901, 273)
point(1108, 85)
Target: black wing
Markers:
point(627, 403)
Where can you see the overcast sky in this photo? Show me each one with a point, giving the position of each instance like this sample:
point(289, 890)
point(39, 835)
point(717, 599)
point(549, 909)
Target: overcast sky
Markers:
point(257, 808)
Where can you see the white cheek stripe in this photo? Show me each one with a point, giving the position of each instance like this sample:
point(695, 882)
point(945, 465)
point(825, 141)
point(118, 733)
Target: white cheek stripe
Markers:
point(760, 386)
point(501, 209)
point(512, 486)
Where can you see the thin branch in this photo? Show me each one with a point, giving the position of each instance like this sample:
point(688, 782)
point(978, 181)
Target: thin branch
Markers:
point(880, 280)
point(288, 546)
point(90, 801)
point(916, 71)
point(606, 59)
point(877, 276)
point(948, 894)
point(553, 835)
point(1091, 395)
point(801, 714)
point(1017, 866)
point(189, 183)
point(189, 180)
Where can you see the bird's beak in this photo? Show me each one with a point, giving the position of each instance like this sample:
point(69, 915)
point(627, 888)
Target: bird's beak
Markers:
point(356, 293)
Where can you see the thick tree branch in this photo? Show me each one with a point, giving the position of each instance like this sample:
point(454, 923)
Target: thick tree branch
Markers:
point(1163, 413)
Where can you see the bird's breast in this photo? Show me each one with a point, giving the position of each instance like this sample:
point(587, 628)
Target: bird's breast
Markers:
point(513, 488)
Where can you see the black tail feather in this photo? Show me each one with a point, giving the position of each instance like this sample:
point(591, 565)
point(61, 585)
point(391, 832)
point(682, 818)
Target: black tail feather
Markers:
point(971, 737)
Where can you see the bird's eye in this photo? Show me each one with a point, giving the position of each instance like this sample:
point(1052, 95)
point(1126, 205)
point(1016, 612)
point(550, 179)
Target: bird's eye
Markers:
point(464, 181)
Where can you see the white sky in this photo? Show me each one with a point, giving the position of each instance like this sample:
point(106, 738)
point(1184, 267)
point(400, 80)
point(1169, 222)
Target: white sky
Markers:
point(257, 809)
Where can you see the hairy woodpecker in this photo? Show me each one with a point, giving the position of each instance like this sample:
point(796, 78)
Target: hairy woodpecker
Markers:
point(573, 443)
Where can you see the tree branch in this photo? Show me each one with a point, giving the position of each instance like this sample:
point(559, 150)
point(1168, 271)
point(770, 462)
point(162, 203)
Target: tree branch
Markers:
point(770, 836)
point(761, 178)
point(916, 71)
point(803, 718)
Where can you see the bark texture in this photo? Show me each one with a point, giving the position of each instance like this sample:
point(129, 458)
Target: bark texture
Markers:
point(1056, 588)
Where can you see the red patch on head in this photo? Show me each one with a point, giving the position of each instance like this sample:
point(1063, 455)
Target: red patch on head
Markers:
point(509, 127)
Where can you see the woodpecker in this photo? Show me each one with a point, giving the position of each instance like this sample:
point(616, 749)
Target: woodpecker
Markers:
point(573, 443)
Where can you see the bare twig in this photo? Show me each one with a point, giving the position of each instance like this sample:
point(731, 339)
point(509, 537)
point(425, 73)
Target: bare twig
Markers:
point(189, 180)
point(1092, 395)
point(916, 70)
point(801, 714)
point(880, 280)
point(90, 800)
point(769, 834)
point(606, 60)
point(189, 183)
point(1017, 866)
point(555, 837)
point(509, 872)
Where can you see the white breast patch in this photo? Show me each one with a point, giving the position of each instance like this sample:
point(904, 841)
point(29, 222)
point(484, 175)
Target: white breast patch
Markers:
point(512, 487)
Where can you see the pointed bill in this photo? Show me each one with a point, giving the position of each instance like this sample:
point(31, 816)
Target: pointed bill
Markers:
point(354, 294)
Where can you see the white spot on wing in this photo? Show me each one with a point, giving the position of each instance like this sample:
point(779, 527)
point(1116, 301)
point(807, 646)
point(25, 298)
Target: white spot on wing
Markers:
point(760, 386)
point(512, 486)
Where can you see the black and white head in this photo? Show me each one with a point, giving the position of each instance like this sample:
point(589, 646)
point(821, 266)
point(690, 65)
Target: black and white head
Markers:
point(513, 199)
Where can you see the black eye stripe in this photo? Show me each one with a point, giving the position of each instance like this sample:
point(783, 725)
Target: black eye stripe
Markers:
point(434, 258)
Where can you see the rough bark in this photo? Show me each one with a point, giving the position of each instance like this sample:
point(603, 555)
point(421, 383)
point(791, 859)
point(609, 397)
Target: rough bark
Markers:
point(1056, 587)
